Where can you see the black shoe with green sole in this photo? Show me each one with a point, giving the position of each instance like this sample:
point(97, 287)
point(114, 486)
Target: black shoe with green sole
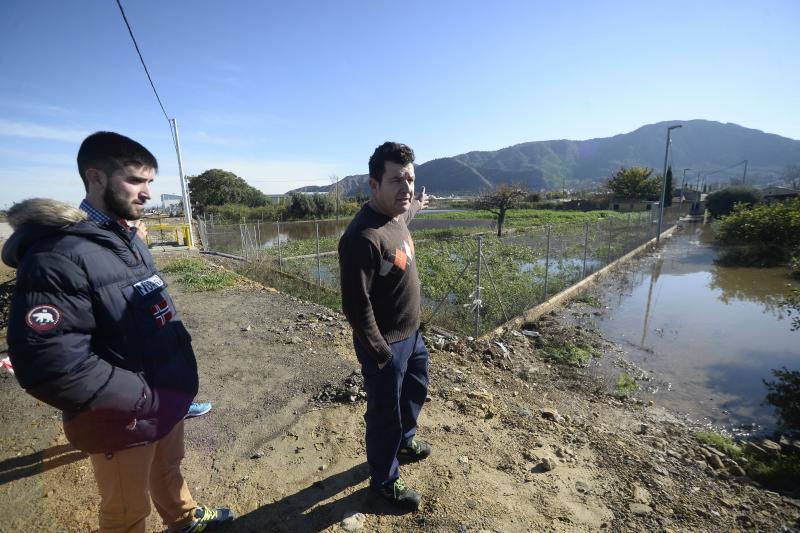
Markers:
point(398, 494)
point(418, 451)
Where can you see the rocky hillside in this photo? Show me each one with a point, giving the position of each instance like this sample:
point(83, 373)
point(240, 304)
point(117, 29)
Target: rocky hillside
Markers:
point(701, 145)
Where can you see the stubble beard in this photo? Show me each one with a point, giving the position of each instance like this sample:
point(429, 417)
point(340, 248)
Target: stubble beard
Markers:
point(119, 206)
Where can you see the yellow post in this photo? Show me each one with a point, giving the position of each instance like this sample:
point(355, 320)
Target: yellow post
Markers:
point(186, 234)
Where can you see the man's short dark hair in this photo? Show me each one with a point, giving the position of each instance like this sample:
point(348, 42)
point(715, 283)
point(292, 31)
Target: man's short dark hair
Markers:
point(389, 151)
point(109, 151)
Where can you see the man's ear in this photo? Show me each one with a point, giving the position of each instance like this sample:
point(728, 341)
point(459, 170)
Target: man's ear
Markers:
point(96, 178)
point(373, 185)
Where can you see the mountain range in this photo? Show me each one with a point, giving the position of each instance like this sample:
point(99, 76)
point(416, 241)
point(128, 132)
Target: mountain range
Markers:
point(713, 150)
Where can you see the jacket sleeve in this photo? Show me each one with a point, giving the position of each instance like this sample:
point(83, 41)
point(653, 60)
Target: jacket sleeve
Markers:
point(413, 210)
point(49, 339)
point(359, 261)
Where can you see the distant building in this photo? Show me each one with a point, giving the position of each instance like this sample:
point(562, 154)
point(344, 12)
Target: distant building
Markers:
point(778, 194)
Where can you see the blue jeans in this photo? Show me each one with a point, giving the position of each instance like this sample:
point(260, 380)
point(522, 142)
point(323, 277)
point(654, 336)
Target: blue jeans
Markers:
point(395, 395)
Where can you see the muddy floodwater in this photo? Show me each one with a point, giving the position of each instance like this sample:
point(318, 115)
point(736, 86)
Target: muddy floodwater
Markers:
point(703, 337)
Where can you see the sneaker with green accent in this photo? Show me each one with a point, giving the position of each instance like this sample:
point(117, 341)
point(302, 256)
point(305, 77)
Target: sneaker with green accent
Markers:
point(418, 451)
point(205, 519)
point(400, 495)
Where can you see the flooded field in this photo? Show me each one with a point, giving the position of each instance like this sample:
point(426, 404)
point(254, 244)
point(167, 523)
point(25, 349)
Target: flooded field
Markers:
point(706, 336)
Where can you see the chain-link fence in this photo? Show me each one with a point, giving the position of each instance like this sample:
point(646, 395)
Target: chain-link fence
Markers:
point(470, 285)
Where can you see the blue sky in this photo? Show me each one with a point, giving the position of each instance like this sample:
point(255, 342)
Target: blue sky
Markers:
point(287, 94)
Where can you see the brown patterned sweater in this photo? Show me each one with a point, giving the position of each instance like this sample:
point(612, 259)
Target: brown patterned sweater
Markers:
point(380, 286)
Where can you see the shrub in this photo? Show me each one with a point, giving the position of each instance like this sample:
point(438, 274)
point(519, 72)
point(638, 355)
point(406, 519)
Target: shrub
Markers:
point(765, 233)
point(721, 203)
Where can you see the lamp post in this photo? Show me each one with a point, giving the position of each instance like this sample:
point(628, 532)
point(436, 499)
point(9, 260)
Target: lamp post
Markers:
point(664, 184)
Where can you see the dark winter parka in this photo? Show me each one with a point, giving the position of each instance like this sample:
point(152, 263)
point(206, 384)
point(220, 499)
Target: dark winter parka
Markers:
point(92, 330)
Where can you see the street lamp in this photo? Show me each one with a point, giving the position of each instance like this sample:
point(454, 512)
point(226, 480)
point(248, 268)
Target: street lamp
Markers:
point(664, 183)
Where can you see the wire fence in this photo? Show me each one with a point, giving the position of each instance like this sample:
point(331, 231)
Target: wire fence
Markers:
point(470, 285)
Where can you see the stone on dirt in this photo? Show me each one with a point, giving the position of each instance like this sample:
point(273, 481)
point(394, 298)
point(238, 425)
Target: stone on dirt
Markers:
point(353, 521)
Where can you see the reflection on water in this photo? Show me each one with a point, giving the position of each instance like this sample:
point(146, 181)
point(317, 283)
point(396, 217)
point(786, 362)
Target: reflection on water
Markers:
point(712, 332)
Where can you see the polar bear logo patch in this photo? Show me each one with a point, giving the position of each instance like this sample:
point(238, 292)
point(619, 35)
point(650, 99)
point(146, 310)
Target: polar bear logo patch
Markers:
point(43, 318)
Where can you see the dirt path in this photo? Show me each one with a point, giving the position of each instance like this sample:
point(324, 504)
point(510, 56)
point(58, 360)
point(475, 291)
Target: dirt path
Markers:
point(498, 419)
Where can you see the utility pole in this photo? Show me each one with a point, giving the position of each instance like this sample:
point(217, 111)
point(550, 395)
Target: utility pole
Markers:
point(664, 183)
point(187, 206)
point(744, 176)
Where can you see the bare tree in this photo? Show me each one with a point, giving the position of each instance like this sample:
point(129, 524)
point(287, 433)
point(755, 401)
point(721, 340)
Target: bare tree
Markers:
point(500, 199)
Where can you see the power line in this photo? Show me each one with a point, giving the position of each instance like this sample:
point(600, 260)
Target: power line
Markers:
point(136, 45)
point(724, 169)
point(173, 130)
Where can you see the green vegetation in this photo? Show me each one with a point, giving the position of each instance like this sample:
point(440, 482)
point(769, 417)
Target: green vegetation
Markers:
point(523, 218)
point(722, 443)
point(316, 206)
point(668, 188)
point(626, 385)
point(784, 395)
point(218, 187)
point(199, 275)
point(792, 307)
point(636, 183)
point(297, 207)
point(781, 473)
point(777, 472)
point(236, 213)
point(764, 234)
point(512, 275)
point(722, 202)
point(568, 354)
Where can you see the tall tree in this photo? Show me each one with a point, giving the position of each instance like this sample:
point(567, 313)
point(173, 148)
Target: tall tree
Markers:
point(219, 187)
point(668, 195)
point(635, 182)
point(500, 199)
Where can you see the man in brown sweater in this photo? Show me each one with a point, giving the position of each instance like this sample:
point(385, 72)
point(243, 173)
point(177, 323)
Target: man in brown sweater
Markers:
point(381, 299)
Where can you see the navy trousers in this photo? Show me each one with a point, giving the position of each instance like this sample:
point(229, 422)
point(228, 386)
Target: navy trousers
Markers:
point(395, 395)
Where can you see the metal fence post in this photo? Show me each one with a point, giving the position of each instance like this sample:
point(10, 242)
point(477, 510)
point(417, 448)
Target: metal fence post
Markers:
point(280, 256)
point(547, 261)
point(477, 301)
point(319, 268)
point(585, 249)
point(242, 240)
point(258, 238)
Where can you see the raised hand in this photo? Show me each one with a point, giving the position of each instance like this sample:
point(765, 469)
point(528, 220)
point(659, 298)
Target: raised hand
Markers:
point(423, 198)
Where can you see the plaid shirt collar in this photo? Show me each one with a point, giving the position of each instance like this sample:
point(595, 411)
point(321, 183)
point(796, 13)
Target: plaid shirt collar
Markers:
point(94, 214)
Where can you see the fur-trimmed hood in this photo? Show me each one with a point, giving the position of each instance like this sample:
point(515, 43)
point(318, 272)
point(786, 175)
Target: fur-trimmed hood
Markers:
point(44, 212)
point(39, 218)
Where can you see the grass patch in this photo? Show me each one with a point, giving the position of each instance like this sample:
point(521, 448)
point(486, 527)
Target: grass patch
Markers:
point(722, 443)
point(626, 385)
point(568, 354)
point(198, 275)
